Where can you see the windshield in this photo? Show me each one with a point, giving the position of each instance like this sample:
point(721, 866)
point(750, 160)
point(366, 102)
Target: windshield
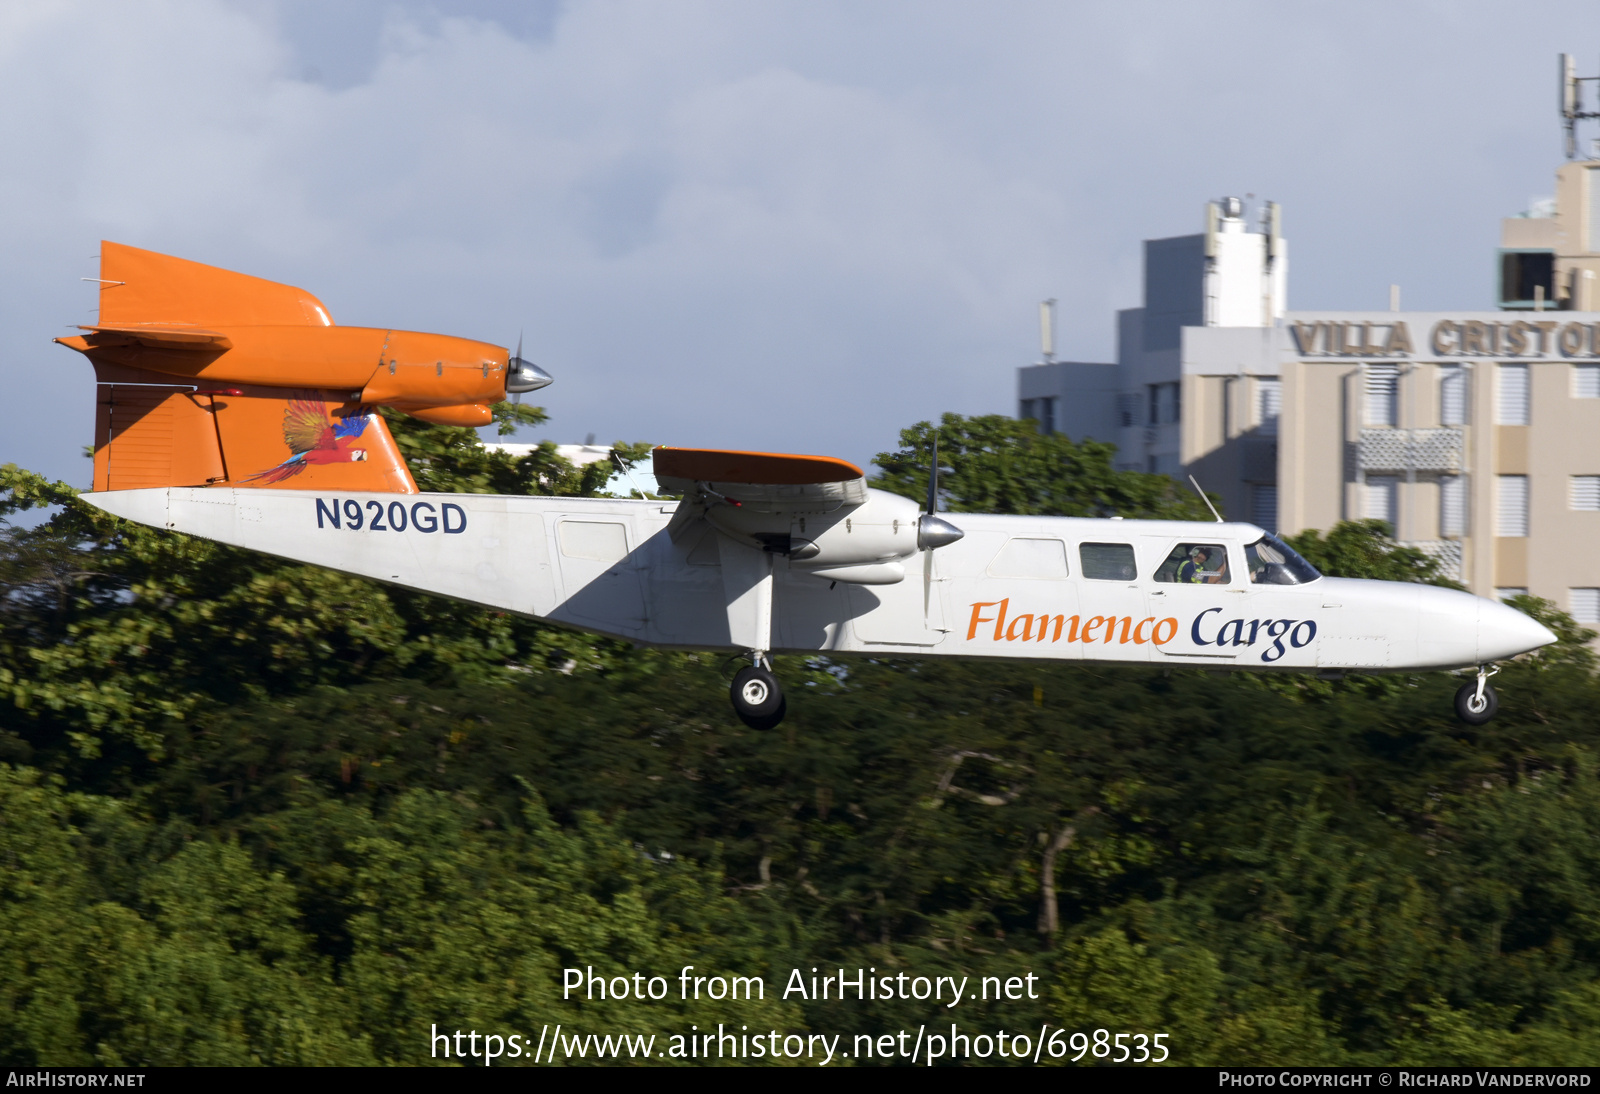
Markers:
point(1273, 562)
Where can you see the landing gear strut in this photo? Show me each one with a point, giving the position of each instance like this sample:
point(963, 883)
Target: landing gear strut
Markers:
point(1476, 703)
point(757, 697)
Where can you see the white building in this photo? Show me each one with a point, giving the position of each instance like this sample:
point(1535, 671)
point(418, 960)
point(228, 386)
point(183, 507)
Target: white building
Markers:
point(1231, 278)
point(1475, 434)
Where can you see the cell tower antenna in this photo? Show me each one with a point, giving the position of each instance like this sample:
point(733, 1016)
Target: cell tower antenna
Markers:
point(1571, 102)
point(1047, 330)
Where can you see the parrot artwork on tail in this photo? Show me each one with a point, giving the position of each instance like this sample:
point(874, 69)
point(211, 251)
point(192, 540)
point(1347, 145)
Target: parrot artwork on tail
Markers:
point(313, 437)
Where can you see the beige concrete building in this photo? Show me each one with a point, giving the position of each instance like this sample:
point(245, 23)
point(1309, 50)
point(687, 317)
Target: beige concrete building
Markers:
point(1475, 434)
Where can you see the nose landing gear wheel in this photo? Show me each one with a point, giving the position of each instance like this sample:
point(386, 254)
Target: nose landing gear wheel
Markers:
point(757, 699)
point(1474, 709)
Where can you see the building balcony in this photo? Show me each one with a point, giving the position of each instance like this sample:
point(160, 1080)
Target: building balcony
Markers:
point(1410, 450)
point(1446, 552)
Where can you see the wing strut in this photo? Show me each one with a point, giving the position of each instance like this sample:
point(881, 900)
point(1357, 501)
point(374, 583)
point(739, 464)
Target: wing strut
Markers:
point(747, 587)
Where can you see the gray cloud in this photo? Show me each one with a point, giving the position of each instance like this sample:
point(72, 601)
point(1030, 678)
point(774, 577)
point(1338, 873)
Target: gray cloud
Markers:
point(793, 226)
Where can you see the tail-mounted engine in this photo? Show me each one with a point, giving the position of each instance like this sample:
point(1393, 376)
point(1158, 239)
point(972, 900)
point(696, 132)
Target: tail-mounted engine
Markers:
point(210, 377)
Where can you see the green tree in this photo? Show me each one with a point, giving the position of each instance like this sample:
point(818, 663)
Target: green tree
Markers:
point(1366, 548)
point(111, 630)
point(1102, 980)
point(119, 953)
point(1002, 465)
point(360, 824)
point(472, 928)
point(451, 460)
point(124, 943)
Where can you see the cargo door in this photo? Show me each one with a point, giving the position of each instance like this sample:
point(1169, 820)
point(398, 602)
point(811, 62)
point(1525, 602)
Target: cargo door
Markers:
point(600, 582)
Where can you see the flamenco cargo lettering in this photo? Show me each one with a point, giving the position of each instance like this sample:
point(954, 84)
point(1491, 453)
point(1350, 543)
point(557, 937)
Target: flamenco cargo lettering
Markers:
point(1071, 627)
point(1123, 629)
point(1239, 632)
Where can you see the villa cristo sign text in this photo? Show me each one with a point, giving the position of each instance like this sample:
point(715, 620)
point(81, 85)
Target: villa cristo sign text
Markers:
point(1449, 338)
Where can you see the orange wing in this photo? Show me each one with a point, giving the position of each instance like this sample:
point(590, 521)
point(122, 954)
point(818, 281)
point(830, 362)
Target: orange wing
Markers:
point(306, 426)
point(763, 468)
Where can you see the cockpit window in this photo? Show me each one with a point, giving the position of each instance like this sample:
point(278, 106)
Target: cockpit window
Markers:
point(1273, 562)
point(1196, 564)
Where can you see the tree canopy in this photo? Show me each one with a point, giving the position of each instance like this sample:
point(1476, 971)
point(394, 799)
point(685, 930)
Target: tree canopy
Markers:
point(1002, 465)
point(256, 812)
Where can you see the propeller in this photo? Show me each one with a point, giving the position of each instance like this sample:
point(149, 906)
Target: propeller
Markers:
point(933, 531)
point(523, 375)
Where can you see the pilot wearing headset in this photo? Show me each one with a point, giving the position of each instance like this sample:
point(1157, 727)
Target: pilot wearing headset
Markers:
point(1194, 572)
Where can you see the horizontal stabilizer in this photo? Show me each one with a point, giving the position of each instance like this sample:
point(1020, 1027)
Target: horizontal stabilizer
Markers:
point(158, 336)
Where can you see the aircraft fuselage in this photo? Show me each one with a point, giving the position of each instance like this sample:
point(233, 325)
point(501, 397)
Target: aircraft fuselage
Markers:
point(1015, 586)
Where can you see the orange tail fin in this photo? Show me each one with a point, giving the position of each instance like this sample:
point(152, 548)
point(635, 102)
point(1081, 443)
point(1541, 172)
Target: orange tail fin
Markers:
point(210, 377)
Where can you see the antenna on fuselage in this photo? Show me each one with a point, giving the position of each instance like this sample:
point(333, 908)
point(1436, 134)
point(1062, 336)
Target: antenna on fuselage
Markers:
point(1205, 499)
point(627, 472)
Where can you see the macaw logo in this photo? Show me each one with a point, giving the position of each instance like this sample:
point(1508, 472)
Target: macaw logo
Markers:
point(1243, 632)
point(1020, 628)
point(315, 438)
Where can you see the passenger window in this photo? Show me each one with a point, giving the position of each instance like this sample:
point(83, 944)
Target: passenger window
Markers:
point(1031, 558)
point(1196, 564)
point(1107, 561)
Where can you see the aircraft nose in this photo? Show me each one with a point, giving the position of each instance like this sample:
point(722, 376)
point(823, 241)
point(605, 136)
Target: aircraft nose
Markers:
point(1505, 632)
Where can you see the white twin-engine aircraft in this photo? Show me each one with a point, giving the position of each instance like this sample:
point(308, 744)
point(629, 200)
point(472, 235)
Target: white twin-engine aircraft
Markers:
point(769, 553)
point(234, 408)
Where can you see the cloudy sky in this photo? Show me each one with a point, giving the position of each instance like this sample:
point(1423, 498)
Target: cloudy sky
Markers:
point(772, 225)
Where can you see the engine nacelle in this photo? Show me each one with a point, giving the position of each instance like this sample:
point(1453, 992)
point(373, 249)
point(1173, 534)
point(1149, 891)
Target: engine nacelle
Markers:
point(816, 535)
point(814, 510)
point(866, 573)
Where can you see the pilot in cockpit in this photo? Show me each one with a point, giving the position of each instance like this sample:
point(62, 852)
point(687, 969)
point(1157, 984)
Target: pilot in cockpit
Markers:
point(1205, 566)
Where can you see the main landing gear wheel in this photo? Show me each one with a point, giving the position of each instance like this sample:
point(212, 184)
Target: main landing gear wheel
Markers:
point(758, 700)
point(1476, 702)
